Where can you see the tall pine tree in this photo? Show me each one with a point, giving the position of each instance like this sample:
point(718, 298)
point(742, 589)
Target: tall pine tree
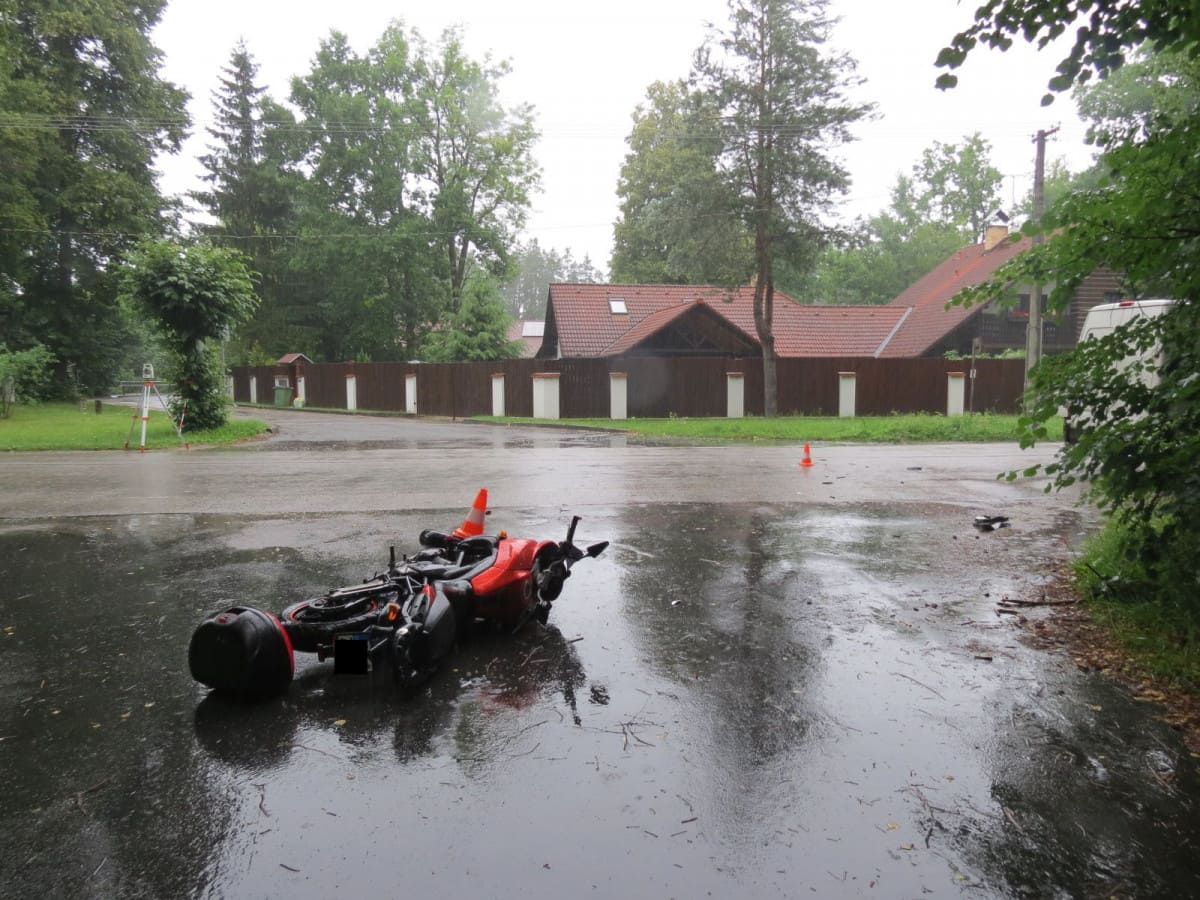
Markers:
point(783, 107)
point(249, 196)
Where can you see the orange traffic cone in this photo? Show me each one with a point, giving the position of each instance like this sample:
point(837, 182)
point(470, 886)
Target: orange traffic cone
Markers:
point(807, 461)
point(473, 523)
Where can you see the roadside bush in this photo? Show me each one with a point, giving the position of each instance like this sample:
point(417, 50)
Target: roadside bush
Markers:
point(25, 376)
point(1144, 587)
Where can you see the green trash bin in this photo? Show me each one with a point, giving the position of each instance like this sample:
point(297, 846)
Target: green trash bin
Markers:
point(283, 395)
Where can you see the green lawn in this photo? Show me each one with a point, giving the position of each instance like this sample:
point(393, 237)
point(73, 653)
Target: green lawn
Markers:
point(61, 426)
point(879, 429)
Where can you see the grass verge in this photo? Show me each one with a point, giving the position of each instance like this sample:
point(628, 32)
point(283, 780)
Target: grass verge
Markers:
point(878, 429)
point(1160, 632)
point(61, 426)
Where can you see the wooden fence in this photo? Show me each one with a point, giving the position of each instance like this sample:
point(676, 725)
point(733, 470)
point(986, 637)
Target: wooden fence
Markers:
point(694, 387)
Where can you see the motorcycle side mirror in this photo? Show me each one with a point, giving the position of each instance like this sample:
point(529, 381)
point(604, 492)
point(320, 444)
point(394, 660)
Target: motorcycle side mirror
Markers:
point(596, 549)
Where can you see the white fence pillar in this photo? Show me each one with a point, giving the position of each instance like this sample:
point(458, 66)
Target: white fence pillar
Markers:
point(545, 395)
point(410, 393)
point(847, 388)
point(735, 395)
point(498, 394)
point(253, 388)
point(618, 395)
point(955, 392)
point(229, 386)
point(351, 392)
point(301, 397)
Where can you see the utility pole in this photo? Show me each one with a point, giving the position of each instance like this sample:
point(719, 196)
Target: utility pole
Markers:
point(1033, 330)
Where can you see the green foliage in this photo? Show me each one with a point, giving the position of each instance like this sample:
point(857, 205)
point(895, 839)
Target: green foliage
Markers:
point(251, 197)
point(478, 329)
point(939, 207)
point(798, 429)
point(24, 376)
point(1010, 353)
point(680, 222)
point(952, 185)
point(83, 113)
point(533, 270)
point(477, 155)
point(404, 175)
point(1139, 441)
point(1146, 597)
point(196, 294)
point(1109, 30)
point(781, 98)
point(881, 260)
point(67, 426)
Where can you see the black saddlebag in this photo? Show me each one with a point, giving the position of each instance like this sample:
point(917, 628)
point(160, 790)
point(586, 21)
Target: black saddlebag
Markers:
point(242, 651)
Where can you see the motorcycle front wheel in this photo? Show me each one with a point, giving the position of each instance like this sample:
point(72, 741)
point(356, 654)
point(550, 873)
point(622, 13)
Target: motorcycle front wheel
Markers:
point(310, 623)
point(410, 664)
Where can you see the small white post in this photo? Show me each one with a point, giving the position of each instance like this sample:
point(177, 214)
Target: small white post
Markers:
point(735, 395)
point(301, 397)
point(410, 393)
point(229, 386)
point(498, 394)
point(253, 388)
point(618, 395)
point(846, 394)
point(351, 392)
point(955, 392)
point(545, 395)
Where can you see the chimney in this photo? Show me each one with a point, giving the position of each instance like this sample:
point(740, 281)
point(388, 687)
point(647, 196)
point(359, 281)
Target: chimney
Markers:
point(995, 234)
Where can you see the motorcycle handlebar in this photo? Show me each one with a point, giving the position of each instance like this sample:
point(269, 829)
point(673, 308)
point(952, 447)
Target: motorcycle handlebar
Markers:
point(431, 538)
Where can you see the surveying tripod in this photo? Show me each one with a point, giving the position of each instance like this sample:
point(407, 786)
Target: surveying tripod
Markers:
point(149, 386)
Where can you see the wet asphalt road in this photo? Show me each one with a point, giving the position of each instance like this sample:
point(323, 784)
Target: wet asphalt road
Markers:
point(776, 683)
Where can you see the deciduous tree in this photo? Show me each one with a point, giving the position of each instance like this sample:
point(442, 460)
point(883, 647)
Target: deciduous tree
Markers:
point(680, 220)
point(84, 114)
point(478, 156)
point(1141, 219)
point(195, 294)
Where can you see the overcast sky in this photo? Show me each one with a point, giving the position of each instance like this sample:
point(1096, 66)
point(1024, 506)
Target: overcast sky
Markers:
point(584, 67)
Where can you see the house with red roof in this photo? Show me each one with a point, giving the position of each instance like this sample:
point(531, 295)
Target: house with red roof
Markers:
point(603, 320)
point(930, 329)
point(611, 320)
point(528, 333)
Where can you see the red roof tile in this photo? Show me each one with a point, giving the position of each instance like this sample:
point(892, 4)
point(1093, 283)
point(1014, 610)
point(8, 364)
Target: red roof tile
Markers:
point(586, 326)
point(529, 333)
point(929, 320)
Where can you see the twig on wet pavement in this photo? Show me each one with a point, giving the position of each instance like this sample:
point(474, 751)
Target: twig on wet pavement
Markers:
point(1012, 601)
point(1008, 814)
point(262, 799)
point(914, 681)
point(318, 750)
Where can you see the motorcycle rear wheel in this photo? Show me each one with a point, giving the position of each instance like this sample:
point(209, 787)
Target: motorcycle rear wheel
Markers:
point(310, 623)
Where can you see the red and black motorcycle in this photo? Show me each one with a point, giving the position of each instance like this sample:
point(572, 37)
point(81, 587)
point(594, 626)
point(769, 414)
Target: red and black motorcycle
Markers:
point(406, 618)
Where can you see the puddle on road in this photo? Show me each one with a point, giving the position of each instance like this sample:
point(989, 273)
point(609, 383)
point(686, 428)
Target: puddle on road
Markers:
point(750, 700)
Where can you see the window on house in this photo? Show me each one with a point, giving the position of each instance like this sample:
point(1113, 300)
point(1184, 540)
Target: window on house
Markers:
point(616, 306)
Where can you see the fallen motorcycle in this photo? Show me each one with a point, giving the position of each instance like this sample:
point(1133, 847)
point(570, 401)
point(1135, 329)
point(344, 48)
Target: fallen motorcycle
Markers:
point(406, 618)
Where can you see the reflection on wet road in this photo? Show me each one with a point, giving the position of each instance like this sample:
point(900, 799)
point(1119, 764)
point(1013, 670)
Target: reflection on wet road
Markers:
point(738, 699)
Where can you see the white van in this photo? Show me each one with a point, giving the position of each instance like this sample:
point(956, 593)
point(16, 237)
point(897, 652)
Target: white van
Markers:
point(1104, 319)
